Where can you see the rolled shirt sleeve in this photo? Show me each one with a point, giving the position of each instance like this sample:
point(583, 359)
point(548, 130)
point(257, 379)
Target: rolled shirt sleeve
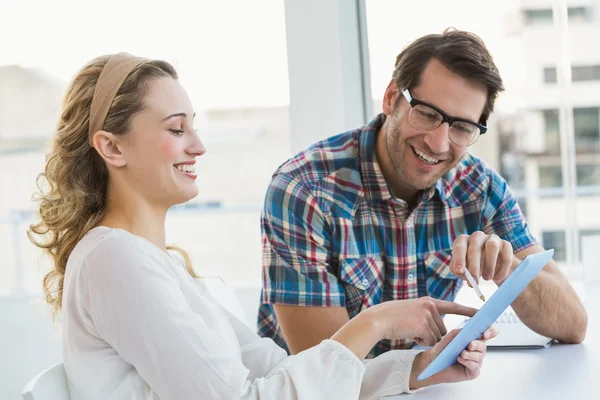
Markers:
point(296, 238)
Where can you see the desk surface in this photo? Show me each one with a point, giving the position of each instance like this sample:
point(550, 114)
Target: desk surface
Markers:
point(558, 372)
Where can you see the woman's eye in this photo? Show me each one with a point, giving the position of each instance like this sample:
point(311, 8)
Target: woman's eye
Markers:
point(176, 132)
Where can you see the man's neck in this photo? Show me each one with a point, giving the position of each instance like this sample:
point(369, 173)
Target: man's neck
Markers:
point(394, 182)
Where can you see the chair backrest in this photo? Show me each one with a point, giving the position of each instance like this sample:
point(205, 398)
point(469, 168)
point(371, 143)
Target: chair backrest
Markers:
point(50, 384)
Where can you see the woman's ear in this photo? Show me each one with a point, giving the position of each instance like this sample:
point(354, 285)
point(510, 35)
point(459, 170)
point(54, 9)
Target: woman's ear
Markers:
point(109, 148)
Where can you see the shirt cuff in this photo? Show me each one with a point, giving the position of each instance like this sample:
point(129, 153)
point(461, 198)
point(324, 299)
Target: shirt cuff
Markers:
point(388, 374)
point(345, 352)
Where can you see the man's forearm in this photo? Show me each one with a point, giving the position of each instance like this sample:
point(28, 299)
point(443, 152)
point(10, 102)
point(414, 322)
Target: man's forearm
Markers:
point(550, 306)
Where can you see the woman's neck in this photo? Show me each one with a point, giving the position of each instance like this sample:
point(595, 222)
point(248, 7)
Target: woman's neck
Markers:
point(138, 218)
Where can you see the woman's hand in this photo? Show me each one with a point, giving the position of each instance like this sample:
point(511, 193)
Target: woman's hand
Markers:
point(419, 320)
point(467, 368)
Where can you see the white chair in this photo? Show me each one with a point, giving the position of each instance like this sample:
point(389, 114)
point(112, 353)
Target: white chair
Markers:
point(50, 384)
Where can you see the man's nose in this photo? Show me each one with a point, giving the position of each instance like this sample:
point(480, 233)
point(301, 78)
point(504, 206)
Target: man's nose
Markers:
point(438, 139)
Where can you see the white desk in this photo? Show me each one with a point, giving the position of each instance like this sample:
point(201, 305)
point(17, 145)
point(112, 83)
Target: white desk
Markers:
point(558, 372)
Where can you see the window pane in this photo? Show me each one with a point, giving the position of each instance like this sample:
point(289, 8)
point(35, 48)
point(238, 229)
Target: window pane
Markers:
point(578, 73)
point(541, 16)
point(587, 128)
point(555, 240)
point(552, 129)
point(586, 232)
point(585, 73)
point(588, 174)
point(550, 75)
point(578, 14)
point(550, 176)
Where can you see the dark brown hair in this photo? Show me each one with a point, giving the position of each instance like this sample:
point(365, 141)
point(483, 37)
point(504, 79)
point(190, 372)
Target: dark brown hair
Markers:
point(463, 53)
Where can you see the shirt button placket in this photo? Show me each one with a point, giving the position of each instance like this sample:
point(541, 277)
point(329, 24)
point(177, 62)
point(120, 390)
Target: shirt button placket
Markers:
point(411, 276)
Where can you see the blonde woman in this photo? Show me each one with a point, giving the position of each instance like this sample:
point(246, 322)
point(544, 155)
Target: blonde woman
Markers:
point(138, 324)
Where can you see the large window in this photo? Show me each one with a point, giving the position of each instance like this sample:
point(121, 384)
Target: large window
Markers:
point(528, 127)
point(238, 85)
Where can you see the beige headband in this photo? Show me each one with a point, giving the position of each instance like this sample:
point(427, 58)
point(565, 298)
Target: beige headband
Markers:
point(114, 73)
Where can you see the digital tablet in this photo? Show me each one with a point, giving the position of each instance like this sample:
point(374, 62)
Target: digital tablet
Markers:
point(490, 311)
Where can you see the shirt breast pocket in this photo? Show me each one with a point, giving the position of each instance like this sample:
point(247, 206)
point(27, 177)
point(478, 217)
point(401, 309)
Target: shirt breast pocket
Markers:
point(363, 282)
point(441, 282)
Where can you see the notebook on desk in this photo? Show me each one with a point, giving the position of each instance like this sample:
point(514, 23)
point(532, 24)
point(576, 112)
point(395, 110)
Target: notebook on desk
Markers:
point(514, 334)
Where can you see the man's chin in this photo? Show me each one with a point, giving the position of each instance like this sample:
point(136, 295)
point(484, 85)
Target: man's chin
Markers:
point(421, 184)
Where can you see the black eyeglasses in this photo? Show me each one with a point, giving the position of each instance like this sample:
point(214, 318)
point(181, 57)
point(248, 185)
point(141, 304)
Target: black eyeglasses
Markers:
point(427, 117)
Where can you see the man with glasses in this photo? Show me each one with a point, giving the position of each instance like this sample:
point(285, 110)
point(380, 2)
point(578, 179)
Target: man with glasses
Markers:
point(397, 209)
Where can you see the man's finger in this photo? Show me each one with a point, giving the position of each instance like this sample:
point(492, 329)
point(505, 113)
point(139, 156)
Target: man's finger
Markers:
point(459, 255)
point(449, 307)
point(476, 253)
point(492, 251)
point(505, 259)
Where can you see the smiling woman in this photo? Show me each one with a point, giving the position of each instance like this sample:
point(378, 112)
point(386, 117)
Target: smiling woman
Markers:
point(90, 143)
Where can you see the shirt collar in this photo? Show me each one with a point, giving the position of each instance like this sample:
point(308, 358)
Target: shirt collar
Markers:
point(374, 182)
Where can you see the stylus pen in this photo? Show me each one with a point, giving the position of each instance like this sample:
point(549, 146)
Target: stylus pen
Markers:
point(474, 285)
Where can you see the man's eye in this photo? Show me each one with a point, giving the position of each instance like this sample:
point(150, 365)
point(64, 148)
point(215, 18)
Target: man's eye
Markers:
point(466, 129)
point(176, 132)
point(428, 115)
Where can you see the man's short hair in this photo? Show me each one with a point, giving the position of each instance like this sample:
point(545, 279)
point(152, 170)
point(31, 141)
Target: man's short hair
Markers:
point(463, 53)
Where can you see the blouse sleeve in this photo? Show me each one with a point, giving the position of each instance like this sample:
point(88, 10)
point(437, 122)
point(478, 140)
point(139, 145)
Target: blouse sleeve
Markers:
point(386, 375)
point(138, 308)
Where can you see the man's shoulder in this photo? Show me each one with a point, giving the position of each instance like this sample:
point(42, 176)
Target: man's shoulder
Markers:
point(328, 170)
point(323, 158)
point(470, 180)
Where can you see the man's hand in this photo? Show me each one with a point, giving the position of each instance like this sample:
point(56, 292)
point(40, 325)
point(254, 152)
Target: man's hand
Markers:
point(485, 256)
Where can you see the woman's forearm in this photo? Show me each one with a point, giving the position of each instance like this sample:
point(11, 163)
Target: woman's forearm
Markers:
point(360, 334)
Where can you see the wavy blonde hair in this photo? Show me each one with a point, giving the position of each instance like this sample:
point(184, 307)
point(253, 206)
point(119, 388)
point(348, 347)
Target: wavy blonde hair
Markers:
point(77, 178)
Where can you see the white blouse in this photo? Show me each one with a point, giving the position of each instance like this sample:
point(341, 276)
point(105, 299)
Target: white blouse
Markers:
point(138, 326)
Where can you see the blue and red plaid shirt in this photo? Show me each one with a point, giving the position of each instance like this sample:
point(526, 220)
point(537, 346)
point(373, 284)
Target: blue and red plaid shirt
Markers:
point(335, 236)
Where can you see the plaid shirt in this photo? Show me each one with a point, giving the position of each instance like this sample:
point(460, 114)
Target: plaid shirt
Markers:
point(335, 236)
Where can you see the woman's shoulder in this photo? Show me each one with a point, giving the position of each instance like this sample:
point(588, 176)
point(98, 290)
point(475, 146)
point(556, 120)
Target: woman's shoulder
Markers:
point(108, 248)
